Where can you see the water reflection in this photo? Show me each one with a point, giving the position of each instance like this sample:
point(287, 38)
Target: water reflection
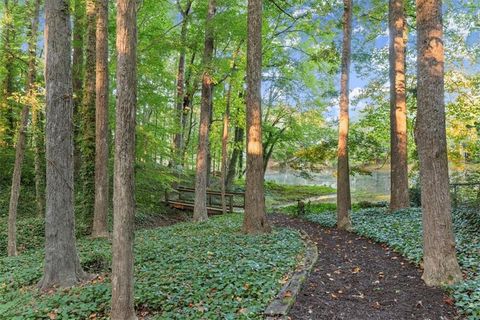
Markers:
point(376, 184)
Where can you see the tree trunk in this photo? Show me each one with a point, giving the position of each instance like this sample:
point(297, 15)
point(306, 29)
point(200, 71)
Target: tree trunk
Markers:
point(398, 107)
point(62, 265)
point(7, 86)
point(343, 170)
point(101, 122)
point(237, 150)
point(188, 106)
point(15, 190)
point(226, 124)
point(255, 218)
point(200, 208)
point(20, 147)
point(77, 76)
point(241, 170)
point(124, 174)
point(179, 139)
point(210, 158)
point(39, 151)
point(439, 256)
point(88, 120)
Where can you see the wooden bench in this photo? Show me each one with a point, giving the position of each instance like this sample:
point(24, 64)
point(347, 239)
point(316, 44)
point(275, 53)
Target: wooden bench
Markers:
point(184, 204)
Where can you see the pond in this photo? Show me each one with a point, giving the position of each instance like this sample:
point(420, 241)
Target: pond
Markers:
point(376, 185)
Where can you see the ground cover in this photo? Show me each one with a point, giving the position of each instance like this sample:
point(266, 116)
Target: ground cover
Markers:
point(185, 271)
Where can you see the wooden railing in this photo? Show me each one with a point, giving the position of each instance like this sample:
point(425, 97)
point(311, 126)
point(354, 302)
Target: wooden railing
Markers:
point(183, 203)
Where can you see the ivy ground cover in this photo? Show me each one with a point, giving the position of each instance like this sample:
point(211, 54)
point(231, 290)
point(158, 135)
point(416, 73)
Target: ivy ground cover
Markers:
point(402, 231)
point(187, 271)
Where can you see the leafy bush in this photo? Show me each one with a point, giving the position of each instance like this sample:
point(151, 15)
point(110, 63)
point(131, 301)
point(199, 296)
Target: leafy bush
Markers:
point(186, 271)
point(30, 234)
point(415, 196)
point(402, 231)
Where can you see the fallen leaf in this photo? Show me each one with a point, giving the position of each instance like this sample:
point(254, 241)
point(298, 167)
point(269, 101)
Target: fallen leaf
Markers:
point(356, 269)
point(242, 310)
point(448, 301)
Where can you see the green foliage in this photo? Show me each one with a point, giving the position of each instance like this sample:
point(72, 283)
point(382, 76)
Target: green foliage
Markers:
point(151, 183)
point(26, 203)
point(186, 271)
point(402, 231)
point(30, 234)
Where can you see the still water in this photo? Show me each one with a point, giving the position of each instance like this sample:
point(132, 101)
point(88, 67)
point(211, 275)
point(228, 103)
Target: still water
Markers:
point(376, 184)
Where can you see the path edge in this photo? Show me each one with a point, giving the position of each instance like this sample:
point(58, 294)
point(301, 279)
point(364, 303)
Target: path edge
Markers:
point(279, 307)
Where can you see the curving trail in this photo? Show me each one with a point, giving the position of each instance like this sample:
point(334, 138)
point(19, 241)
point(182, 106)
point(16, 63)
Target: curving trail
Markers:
point(355, 278)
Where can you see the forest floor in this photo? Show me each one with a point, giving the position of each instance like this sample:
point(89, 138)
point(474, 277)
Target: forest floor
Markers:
point(208, 270)
point(355, 278)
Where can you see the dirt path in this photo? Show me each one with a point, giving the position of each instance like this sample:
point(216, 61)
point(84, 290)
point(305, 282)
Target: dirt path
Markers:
point(355, 278)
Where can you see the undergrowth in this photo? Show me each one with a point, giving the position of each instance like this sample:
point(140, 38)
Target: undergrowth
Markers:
point(186, 271)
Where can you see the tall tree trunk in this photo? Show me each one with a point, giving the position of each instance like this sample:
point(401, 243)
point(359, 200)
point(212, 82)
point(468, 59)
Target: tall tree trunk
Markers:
point(88, 120)
point(200, 207)
point(124, 175)
point(39, 155)
point(20, 147)
point(398, 107)
point(237, 150)
point(62, 265)
point(439, 256)
point(101, 122)
point(7, 85)
point(188, 105)
point(210, 158)
point(77, 76)
point(179, 139)
point(343, 171)
point(255, 218)
point(226, 124)
point(241, 170)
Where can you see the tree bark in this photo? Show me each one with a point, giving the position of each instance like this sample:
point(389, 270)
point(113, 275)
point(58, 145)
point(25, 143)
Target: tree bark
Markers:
point(255, 218)
point(226, 124)
point(77, 76)
point(200, 207)
point(7, 85)
point(101, 122)
point(39, 155)
point(439, 255)
point(62, 265)
point(124, 175)
point(398, 107)
point(179, 139)
point(20, 147)
point(88, 120)
point(343, 170)
point(188, 105)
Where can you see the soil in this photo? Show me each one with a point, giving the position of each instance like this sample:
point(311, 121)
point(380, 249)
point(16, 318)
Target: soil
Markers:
point(356, 278)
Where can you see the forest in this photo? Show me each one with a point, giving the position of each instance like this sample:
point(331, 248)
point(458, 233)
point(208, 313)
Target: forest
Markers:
point(256, 159)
